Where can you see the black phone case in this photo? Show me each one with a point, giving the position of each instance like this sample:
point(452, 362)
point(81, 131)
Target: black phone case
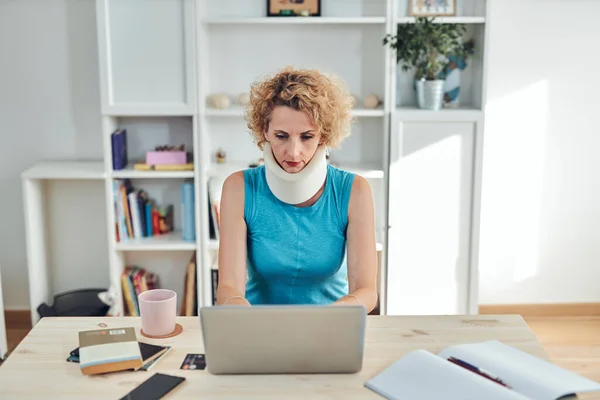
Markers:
point(154, 388)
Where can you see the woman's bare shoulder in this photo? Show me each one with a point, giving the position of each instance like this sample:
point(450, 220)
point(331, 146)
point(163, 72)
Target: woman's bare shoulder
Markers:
point(232, 197)
point(361, 196)
point(234, 184)
point(361, 186)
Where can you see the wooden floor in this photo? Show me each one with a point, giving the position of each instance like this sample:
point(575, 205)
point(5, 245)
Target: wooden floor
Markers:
point(570, 342)
point(14, 337)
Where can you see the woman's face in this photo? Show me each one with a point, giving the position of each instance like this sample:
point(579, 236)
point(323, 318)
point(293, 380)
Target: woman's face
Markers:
point(293, 138)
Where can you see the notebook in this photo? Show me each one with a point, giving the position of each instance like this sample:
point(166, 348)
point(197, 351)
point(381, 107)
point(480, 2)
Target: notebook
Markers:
point(109, 350)
point(488, 370)
point(151, 353)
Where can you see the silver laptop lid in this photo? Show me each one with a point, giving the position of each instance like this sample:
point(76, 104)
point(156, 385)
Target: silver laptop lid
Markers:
point(272, 339)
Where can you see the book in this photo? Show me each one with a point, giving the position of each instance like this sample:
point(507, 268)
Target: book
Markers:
point(135, 280)
point(488, 370)
point(188, 302)
point(109, 350)
point(119, 149)
point(188, 211)
point(151, 353)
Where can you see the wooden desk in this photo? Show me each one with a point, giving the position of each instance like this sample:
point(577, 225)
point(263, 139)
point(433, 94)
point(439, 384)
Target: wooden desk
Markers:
point(37, 367)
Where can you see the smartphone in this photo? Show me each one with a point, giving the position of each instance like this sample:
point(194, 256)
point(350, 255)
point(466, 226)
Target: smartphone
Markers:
point(154, 388)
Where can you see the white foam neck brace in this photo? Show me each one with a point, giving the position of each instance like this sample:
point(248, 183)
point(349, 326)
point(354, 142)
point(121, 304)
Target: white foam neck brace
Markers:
point(299, 187)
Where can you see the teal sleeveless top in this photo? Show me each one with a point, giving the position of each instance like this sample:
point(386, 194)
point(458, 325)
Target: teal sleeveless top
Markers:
point(296, 255)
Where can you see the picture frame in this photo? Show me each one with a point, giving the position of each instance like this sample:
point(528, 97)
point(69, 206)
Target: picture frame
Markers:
point(293, 8)
point(432, 8)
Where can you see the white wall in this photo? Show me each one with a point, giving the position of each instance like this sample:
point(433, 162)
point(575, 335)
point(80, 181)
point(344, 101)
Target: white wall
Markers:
point(49, 108)
point(541, 190)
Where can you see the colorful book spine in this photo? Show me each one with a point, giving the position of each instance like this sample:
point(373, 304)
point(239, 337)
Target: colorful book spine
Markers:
point(119, 149)
point(148, 216)
point(138, 216)
point(135, 215)
point(120, 214)
point(188, 214)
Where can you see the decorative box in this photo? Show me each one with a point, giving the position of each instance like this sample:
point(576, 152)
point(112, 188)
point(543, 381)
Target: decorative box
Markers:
point(166, 157)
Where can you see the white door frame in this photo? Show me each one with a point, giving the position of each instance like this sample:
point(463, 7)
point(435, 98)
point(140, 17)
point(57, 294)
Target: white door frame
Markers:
point(3, 341)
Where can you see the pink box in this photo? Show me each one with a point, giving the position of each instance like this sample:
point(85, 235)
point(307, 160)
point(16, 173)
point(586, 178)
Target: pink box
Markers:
point(166, 157)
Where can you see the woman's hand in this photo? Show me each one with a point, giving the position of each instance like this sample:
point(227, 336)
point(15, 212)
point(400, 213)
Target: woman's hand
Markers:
point(236, 301)
point(348, 300)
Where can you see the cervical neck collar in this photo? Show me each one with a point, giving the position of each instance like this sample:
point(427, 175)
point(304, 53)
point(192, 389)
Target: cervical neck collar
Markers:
point(299, 187)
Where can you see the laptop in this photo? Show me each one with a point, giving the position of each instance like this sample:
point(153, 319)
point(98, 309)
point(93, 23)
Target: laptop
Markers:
point(283, 339)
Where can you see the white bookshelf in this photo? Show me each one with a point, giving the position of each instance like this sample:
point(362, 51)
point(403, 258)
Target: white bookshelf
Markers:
point(62, 169)
point(434, 183)
point(158, 62)
point(237, 44)
point(35, 204)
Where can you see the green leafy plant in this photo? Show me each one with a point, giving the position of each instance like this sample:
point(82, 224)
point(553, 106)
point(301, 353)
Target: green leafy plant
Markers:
point(427, 46)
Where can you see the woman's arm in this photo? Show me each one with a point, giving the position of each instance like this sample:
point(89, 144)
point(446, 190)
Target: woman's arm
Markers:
point(232, 243)
point(362, 253)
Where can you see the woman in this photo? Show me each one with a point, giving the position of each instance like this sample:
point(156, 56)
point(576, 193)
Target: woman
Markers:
point(297, 230)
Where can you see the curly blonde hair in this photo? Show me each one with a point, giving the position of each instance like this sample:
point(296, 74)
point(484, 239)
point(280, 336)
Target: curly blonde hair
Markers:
point(325, 99)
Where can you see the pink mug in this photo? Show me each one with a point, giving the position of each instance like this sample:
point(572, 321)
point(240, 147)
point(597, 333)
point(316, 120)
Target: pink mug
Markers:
point(158, 309)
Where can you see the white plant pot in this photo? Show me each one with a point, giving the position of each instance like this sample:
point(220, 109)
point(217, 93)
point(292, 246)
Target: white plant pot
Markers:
point(430, 94)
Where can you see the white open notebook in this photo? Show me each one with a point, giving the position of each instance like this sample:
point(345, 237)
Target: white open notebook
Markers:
point(455, 374)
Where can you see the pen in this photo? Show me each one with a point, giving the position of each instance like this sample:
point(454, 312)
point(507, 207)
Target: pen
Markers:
point(478, 371)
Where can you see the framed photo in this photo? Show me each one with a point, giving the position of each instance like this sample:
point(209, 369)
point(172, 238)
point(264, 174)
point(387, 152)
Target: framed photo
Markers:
point(293, 8)
point(432, 8)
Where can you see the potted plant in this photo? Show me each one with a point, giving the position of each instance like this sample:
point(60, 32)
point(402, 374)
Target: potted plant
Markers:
point(428, 48)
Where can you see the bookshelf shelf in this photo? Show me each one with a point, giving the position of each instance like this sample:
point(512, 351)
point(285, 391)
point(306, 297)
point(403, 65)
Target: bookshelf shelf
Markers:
point(66, 170)
point(237, 111)
point(463, 113)
point(366, 112)
point(234, 111)
point(366, 171)
point(155, 110)
point(167, 242)
point(132, 173)
point(295, 21)
point(446, 20)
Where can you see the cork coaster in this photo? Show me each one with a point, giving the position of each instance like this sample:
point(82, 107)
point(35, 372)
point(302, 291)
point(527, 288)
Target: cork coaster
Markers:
point(177, 331)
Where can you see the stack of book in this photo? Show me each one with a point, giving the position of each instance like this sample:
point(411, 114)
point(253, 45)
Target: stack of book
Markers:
point(110, 350)
point(134, 281)
point(189, 304)
point(137, 215)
